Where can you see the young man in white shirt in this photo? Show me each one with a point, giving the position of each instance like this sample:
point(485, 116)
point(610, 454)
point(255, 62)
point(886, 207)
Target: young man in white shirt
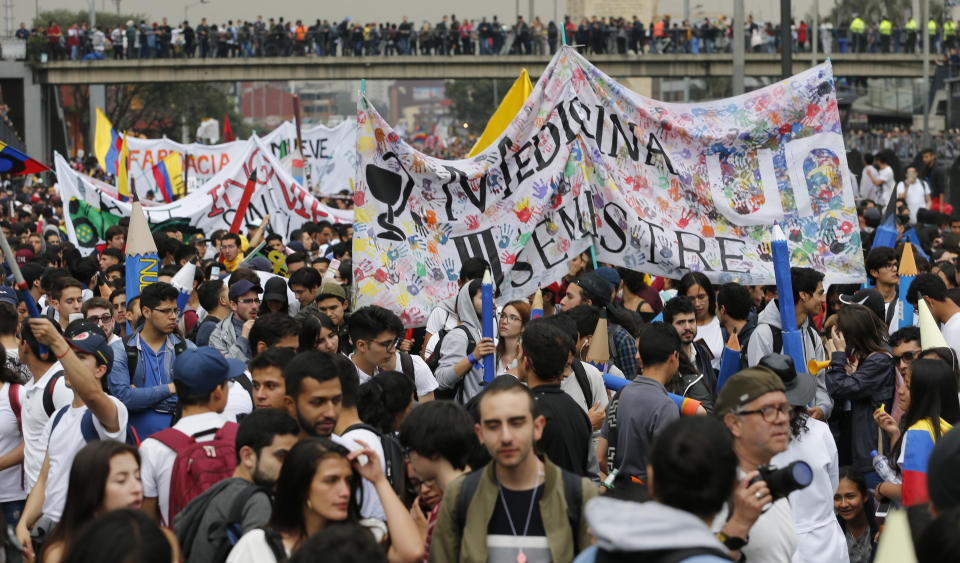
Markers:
point(93, 415)
point(201, 377)
point(915, 192)
point(867, 188)
point(883, 181)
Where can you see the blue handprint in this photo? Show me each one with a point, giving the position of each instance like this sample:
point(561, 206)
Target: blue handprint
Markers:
point(414, 286)
point(443, 233)
point(393, 254)
point(451, 268)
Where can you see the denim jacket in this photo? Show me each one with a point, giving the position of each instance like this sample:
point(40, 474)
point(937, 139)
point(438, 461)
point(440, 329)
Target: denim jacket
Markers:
point(133, 394)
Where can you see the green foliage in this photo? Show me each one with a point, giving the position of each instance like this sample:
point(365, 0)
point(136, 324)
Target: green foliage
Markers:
point(64, 18)
point(473, 100)
point(872, 10)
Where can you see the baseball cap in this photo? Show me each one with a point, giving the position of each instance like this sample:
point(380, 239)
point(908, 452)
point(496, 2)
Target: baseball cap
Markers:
point(200, 370)
point(8, 295)
point(869, 298)
point(197, 238)
point(609, 275)
point(23, 256)
point(595, 286)
point(260, 263)
point(801, 387)
point(275, 290)
point(330, 288)
point(87, 337)
point(242, 287)
point(745, 386)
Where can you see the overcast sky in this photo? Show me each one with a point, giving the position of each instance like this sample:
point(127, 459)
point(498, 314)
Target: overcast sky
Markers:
point(383, 10)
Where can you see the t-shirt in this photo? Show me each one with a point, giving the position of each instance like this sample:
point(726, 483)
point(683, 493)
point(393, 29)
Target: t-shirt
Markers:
point(156, 464)
point(35, 418)
point(370, 507)
point(11, 487)
point(566, 438)
point(886, 188)
point(423, 377)
point(867, 187)
point(441, 318)
point(712, 335)
point(645, 409)
point(253, 548)
point(63, 443)
point(239, 401)
point(916, 196)
point(773, 537)
point(951, 332)
point(526, 534)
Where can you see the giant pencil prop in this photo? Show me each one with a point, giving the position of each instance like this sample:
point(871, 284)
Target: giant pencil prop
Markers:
point(244, 203)
point(142, 262)
point(908, 271)
point(183, 281)
point(792, 339)
point(22, 288)
point(536, 307)
point(486, 326)
point(729, 361)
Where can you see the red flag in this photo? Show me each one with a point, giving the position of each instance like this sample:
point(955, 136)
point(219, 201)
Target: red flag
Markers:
point(227, 130)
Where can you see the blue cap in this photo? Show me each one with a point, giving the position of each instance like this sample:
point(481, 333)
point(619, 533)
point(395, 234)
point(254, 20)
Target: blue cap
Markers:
point(8, 295)
point(200, 370)
point(609, 275)
point(243, 287)
point(87, 337)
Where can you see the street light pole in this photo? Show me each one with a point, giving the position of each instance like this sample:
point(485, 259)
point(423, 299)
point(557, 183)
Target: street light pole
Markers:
point(786, 41)
point(816, 33)
point(926, 72)
point(738, 47)
point(686, 79)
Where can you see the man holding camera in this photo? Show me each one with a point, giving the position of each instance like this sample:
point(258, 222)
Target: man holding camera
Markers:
point(753, 406)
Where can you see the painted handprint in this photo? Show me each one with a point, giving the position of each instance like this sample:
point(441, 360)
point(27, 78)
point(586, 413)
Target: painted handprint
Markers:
point(443, 233)
point(540, 188)
point(507, 257)
point(473, 222)
point(523, 210)
point(415, 286)
point(451, 268)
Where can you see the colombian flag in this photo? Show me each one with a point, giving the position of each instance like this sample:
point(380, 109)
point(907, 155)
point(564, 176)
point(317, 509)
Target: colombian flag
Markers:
point(107, 144)
point(123, 181)
point(915, 450)
point(16, 163)
point(168, 174)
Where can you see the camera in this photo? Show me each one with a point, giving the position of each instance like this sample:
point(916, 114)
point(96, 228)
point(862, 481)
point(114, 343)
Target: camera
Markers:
point(785, 480)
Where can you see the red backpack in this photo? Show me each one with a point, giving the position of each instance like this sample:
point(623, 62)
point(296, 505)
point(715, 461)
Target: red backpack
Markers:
point(198, 464)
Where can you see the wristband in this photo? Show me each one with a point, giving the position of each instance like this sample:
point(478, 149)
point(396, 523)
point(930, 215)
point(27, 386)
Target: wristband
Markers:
point(61, 356)
point(473, 361)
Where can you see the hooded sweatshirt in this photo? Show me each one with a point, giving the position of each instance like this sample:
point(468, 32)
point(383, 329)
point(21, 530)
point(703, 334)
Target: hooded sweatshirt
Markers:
point(650, 527)
point(454, 348)
point(761, 344)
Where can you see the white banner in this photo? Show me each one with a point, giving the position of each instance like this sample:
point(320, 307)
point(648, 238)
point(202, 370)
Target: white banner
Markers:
point(657, 187)
point(91, 207)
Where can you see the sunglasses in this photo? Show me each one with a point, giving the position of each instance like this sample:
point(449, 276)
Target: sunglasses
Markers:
point(906, 356)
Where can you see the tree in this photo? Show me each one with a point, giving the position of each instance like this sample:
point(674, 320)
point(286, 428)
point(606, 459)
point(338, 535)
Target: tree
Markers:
point(65, 18)
point(872, 10)
point(473, 100)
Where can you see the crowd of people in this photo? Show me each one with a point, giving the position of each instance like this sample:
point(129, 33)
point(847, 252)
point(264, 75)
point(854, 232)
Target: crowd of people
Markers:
point(263, 418)
point(488, 36)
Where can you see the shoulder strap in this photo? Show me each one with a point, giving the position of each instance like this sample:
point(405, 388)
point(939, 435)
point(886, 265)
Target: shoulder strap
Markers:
point(179, 346)
point(132, 355)
point(471, 343)
point(275, 543)
point(361, 426)
point(581, 374)
point(891, 309)
point(13, 393)
point(173, 439)
point(469, 487)
point(87, 428)
point(777, 334)
point(245, 382)
point(56, 419)
point(406, 366)
point(235, 516)
point(48, 404)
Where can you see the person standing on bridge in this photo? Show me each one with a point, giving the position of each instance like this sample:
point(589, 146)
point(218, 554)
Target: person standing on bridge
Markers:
point(858, 39)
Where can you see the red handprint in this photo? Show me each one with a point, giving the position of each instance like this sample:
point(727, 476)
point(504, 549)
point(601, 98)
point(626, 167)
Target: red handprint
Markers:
point(507, 257)
point(358, 198)
point(473, 222)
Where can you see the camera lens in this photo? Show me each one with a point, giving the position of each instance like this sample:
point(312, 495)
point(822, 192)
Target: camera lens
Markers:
point(802, 474)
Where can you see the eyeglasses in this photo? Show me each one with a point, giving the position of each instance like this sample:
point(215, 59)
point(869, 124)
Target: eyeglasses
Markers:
point(254, 300)
point(908, 357)
point(102, 319)
point(769, 414)
point(387, 344)
point(169, 311)
point(512, 318)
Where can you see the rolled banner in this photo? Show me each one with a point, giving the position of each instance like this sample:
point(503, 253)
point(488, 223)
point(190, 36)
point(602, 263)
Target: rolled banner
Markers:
point(486, 326)
point(598, 354)
point(907, 271)
point(614, 383)
point(183, 281)
point(142, 262)
point(729, 361)
point(686, 405)
point(792, 339)
point(536, 308)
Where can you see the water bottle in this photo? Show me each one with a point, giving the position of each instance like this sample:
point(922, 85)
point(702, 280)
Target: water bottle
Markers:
point(882, 466)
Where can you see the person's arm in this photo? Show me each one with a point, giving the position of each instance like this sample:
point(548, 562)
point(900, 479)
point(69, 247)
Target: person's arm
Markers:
point(11, 458)
point(873, 372)
point(33, 509)
point(134, 398)
point(405, 542)
point(602, 445)
point(152, 508)
point(83, 382)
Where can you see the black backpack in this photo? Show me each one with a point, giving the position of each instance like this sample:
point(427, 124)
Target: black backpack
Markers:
point(225, 534)
point(192, 335)
point(48, 405)
point(133, 353)
point(393, 457)
point(456, 393)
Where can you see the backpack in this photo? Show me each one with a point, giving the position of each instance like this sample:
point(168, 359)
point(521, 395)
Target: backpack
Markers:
point(89, 431)
point(133, 353)
point(393, 457)
point(198, 465)
point(192, 335)
point(224, 534)
point(777, 334)
point(660, 556)
point(572, 492)
point(48, 405)
point(457, 392)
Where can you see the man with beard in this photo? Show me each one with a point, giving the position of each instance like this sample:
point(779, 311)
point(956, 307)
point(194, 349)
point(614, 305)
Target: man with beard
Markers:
point(263, 440)
point(695, 378)
point(314, 396)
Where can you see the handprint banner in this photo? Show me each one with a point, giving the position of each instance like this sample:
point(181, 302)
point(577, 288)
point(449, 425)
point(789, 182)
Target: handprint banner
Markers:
point(657, 187)
point(91, 207)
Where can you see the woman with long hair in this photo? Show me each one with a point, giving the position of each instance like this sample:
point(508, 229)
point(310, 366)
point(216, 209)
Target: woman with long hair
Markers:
point(861, 371)
point(854, 509)
point(319, 333)
point(513, 318)
point(931, 408)
point(104, 476)
point(317, 486)
point(384, 401)
point(698, 288)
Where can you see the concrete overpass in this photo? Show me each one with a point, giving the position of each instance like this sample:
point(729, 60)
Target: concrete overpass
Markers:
point(440, 67)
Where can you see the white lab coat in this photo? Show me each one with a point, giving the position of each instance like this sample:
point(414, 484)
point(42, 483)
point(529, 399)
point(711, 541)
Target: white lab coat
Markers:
point(819, 537)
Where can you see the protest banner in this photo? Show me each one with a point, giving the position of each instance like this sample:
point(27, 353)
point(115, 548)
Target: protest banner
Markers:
point(91, 208)
point(656, 187)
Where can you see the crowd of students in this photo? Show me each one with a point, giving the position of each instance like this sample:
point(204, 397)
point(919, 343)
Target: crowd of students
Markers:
point(268, 420)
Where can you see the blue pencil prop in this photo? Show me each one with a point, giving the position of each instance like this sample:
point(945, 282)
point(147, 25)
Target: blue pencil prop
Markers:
point(792, 339)
point(907, 271)
point(486, 293)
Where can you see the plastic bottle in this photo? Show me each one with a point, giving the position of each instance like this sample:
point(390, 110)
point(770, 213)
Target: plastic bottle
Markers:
point(882, 466)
